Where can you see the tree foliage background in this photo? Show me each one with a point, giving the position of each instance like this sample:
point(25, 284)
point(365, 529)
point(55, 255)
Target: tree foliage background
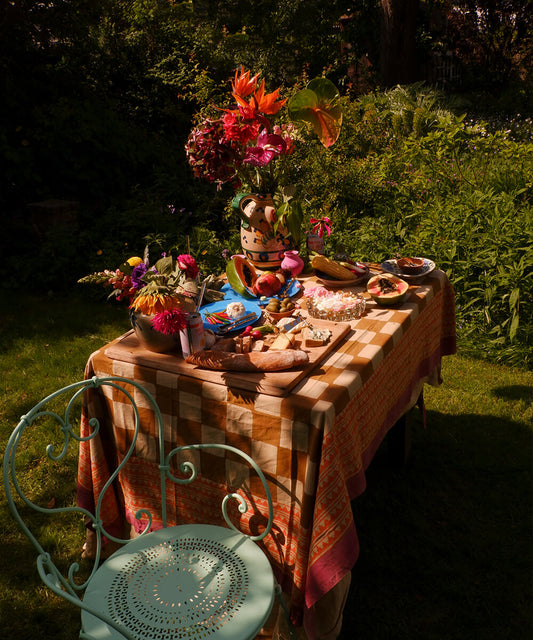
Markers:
point(98, 94)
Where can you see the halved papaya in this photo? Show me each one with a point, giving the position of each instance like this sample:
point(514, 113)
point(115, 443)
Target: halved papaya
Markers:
point(241, 276)
point(387, 290)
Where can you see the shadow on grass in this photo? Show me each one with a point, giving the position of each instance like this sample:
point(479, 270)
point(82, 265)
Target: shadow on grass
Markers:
point(446, 547)
point(446, 543)
point(515, 392)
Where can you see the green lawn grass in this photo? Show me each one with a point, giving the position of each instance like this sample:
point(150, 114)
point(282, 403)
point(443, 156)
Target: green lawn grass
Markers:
point(446, 541)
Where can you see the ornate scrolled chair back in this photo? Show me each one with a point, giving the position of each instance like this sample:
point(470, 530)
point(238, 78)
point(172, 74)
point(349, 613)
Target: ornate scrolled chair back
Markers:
point(72, 582)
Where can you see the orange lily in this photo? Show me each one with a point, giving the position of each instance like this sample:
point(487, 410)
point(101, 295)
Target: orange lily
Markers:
point(266, 103)
point(243, 85)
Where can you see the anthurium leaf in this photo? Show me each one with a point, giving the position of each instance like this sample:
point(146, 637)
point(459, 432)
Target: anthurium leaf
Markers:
point(318, 104)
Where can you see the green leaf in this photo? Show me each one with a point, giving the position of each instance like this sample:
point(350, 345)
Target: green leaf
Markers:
point(126, 269)
point(318, 104)
point(294, 220)
point(514, 298)
point(166, 265)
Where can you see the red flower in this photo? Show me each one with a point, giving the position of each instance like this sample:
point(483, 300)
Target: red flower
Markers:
point(188, 264)
point(235, 129)
point(170, 322)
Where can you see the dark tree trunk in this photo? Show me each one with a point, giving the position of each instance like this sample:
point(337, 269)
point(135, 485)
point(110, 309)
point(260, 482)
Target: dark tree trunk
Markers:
point(398, 61)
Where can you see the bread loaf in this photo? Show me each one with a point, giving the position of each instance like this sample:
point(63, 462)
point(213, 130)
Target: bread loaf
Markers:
point(253, 361)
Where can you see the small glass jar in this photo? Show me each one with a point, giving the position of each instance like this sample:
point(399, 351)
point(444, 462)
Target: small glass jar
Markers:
point(315, 243)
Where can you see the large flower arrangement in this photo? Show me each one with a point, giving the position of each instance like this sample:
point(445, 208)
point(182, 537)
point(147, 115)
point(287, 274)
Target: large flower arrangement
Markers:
point(166, 290)
point(246, 143)
point(242, 144)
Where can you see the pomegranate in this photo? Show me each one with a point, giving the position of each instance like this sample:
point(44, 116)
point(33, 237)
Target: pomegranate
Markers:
point(267, 284)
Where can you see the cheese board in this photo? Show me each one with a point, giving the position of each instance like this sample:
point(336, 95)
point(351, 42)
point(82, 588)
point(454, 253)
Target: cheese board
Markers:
point(126, 348)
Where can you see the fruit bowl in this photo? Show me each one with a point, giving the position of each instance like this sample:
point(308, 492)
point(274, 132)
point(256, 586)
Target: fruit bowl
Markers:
point(391, 266)
point(278, 316)
point(411, 266)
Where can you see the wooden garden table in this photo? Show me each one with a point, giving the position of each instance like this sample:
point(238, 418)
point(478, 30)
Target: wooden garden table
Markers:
point(314, 438)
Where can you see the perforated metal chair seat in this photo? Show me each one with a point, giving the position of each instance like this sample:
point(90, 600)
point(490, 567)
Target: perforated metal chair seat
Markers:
point(189, 581)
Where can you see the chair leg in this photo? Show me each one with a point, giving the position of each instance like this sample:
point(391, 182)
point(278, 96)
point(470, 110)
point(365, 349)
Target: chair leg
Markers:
point(292, 632)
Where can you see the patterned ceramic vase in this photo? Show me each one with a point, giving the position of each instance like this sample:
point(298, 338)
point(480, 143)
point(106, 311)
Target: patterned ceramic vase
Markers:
point(261, 245)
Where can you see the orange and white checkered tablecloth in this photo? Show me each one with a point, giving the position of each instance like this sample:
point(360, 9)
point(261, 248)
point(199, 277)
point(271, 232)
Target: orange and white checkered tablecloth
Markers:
point(314, 444)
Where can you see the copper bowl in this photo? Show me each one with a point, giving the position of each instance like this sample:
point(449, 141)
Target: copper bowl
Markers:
point(411, 266)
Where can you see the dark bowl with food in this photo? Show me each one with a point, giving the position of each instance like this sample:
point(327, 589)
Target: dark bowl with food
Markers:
point(410, 266)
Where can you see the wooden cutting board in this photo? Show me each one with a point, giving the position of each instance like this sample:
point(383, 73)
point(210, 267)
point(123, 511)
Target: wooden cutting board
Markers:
point(275, 383)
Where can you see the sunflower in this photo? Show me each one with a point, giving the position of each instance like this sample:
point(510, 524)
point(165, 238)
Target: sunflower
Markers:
point(154, 298)
point(152, 303)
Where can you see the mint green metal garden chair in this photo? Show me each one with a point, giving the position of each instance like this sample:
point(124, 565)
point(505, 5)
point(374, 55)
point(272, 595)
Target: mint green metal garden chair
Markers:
point(185, 581)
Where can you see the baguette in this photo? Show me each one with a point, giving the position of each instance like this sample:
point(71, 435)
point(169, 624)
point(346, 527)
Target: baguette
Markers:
point(253, 361)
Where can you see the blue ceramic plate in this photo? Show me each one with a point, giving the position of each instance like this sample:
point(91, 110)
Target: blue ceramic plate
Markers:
point(291, 289)
point(249, 306)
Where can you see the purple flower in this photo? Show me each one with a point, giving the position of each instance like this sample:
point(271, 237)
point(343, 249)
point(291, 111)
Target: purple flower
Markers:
point(269, 145)
point(136, 275)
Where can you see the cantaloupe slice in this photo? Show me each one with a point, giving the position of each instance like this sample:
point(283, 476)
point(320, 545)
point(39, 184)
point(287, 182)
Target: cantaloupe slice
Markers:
point(387, 290)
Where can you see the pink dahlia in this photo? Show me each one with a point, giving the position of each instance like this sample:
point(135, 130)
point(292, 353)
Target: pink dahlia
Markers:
point(170, 322)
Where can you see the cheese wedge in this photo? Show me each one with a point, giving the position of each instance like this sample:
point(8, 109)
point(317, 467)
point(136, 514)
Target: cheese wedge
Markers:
point(315, 338)
point(283, 341)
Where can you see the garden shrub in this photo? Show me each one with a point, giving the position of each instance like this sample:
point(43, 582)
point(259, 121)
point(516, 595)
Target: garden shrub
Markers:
point(410, 177)
point(430, 184)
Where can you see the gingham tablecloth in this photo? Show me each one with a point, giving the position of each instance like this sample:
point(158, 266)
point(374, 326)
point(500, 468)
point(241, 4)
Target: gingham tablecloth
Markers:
point(314, 445)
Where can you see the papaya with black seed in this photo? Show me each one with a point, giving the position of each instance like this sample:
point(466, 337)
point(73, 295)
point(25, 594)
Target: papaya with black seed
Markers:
point(241, 276)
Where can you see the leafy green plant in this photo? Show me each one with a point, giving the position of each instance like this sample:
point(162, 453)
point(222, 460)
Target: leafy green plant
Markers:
point(453, 190)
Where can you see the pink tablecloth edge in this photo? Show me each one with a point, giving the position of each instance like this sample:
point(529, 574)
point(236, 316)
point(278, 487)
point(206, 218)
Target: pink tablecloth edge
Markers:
point(341, 558)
